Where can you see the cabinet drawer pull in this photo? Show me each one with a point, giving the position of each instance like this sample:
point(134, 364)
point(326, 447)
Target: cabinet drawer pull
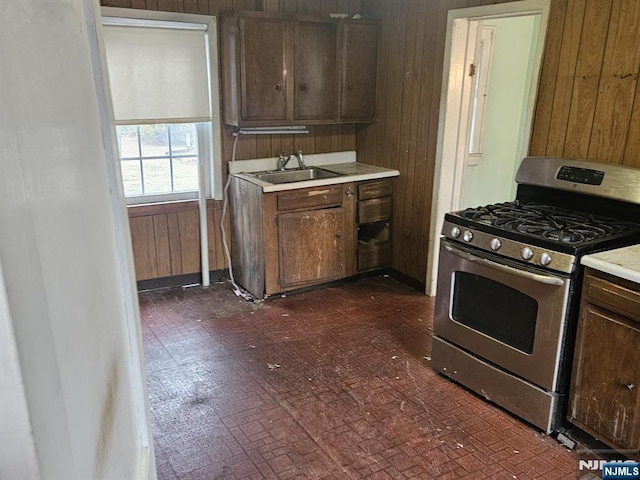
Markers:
point(279, 86)
point(339, 235)
point(630, 386)
point(349, 193)
point(303, 87)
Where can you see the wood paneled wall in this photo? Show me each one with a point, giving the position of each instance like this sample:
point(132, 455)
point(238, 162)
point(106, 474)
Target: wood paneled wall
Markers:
point(589, 100)
point(167, 244)
point(588, 103)
point(166, 239)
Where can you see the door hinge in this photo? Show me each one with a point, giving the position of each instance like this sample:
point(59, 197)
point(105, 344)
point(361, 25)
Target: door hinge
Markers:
point(472, 69)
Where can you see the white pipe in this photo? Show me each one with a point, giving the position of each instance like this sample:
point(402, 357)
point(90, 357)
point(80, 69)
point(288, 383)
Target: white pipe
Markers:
point(202, 208)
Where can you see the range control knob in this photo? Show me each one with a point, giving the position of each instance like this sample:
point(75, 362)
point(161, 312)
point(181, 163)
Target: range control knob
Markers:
point(495, 244)
point(545, 259)
point(527, 253)
point(467, 236)
point(455, 232)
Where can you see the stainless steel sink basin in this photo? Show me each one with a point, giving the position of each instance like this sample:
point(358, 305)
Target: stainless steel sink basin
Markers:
point(289, 176)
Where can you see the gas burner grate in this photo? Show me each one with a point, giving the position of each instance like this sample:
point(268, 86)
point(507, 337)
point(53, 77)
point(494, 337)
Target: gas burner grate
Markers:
point(548, 222)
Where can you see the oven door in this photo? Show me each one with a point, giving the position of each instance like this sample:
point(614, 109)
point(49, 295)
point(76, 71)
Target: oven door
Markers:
point(509, 315)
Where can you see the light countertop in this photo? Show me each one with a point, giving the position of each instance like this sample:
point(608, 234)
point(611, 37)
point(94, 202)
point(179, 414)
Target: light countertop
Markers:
point(621, 262)
point(342, 162)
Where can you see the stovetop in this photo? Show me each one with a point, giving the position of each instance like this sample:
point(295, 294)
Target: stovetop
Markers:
point(564, 209)
point(549, 223)
point(540, 234)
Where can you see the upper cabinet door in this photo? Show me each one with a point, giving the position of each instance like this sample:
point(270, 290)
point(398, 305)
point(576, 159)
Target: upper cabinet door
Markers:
point(359, 64)
point(315, 85)
point(263, 68)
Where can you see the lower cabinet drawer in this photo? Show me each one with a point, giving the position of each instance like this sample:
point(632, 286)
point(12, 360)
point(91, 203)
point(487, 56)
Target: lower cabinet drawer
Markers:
point(374, 210)
point(614, 297)
point(374, 256)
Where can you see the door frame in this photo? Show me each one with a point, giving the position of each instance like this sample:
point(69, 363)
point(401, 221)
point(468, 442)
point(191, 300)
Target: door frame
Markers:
point(454, 108)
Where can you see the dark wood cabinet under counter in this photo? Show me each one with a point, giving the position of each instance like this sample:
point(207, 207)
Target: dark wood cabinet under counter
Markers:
point(604, 398)
point(298, 237)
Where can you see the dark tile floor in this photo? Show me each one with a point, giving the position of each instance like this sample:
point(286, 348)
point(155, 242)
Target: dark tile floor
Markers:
point(328, 384)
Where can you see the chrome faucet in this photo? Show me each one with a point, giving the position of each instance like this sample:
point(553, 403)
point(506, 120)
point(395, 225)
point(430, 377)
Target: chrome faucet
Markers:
point(300, 159)
point(282, 162)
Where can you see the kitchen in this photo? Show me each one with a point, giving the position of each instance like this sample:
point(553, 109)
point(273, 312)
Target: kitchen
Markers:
point(585, 106)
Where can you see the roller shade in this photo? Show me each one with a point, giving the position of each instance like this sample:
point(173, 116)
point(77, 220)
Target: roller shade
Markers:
point(157, 75)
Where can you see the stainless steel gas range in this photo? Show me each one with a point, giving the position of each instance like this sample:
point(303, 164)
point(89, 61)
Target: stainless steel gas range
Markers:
point(509, 281)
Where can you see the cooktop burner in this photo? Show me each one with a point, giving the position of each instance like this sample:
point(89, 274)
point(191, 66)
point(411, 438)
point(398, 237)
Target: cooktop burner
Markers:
point(548, 222)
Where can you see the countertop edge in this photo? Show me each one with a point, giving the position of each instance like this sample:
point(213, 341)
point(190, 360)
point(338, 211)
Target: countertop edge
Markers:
point(603, 262)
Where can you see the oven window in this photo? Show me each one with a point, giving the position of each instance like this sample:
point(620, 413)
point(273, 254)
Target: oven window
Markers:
point(495, 309)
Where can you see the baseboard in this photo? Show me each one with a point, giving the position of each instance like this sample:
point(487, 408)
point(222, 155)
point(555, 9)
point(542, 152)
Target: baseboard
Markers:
point(180, 280)
point(406, 279)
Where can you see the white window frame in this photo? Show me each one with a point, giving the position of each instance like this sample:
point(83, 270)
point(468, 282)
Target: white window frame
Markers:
point(209, 140)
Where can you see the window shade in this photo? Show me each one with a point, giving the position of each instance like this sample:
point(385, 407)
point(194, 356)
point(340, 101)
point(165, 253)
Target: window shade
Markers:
point(157, 75)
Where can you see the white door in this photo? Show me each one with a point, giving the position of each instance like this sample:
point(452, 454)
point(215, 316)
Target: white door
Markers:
point(492, 62)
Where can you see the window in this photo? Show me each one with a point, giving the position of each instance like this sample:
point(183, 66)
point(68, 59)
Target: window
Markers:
point(162, 67)
point(159, 158)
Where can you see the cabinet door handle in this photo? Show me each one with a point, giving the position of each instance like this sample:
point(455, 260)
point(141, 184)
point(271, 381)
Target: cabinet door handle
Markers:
point(349, 193)
point(350, 88)
point(339, 235)
point(279, 86)
point(630, 386)
point(303, 87)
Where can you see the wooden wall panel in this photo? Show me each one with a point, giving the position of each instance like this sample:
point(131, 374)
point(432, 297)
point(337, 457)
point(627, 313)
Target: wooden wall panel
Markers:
point(166, 239)
point(600, 97)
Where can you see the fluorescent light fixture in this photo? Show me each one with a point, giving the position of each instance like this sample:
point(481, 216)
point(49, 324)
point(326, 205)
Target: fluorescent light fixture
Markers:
point(286, 130)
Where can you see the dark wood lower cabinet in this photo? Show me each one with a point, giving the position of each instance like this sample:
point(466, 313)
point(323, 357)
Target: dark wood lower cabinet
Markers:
point(604, 399)
point(311, 246)
point(296, 238)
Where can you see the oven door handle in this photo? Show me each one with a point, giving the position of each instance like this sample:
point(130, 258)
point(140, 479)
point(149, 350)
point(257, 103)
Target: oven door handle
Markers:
point(546, 279)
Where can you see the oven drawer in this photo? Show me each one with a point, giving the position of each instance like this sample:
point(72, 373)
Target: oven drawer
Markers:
point(613, 297)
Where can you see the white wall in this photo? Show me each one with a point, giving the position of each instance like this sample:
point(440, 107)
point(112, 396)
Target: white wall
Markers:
point(513, 56)
point(61, 263)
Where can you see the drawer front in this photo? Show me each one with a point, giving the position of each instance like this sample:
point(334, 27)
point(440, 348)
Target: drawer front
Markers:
point(307, 199)
point(374, 210)
point(374, 256)
point(375, 189)
point(611, 296)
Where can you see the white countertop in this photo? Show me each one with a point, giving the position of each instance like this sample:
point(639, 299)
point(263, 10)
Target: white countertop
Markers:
point(342, 162)
point(621, 262)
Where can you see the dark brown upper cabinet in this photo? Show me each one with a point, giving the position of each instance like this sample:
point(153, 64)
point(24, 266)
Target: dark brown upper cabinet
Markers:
point(263, 92)
point(359, 67)
point(314, 72)
point(279, 70)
